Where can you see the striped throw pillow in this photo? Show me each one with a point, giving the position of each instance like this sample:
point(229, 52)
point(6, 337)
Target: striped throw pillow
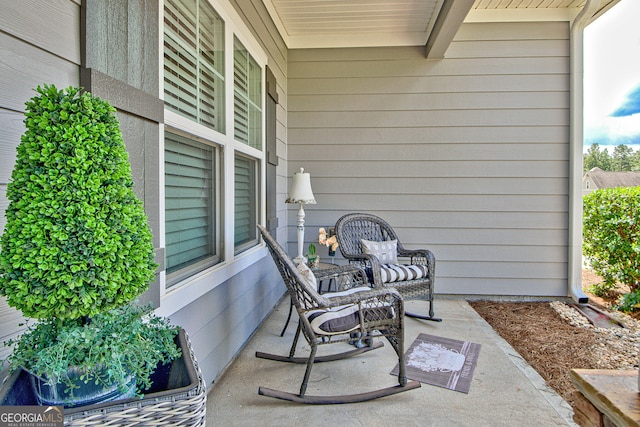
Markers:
point(400, 272)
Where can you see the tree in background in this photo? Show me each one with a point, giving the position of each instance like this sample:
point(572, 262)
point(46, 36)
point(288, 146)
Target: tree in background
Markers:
point(635, 162)
point(594, 158)
point(621, 159)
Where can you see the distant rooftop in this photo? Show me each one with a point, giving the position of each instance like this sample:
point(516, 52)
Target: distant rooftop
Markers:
point(609, 179)
point(596, 178)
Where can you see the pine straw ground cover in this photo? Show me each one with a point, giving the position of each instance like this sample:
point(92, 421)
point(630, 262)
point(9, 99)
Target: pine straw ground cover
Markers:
point(554, 338)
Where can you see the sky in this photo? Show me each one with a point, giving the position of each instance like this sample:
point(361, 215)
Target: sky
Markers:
point(612, 78)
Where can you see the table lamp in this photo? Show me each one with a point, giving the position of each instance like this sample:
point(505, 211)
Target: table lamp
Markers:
point(301, 193)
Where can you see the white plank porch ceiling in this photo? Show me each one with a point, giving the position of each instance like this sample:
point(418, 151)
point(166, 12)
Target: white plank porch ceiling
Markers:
point(348, 23)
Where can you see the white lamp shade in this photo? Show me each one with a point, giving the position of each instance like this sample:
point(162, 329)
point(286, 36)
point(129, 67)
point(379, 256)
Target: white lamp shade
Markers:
point(301, 189)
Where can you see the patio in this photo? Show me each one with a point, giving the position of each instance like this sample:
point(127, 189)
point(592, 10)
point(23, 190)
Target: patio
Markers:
point(505, 390)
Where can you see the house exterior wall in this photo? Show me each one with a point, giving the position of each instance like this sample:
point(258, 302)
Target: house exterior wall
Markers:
point(467, 156)
point(588, 185)
point(60, 42)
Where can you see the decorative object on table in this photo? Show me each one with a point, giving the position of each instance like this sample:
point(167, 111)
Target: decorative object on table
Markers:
point(77, 251)
point(371, 243)
point(312, 256)
point(330, 242)
point(302, 194)
point(443, 362)
point(331, 318)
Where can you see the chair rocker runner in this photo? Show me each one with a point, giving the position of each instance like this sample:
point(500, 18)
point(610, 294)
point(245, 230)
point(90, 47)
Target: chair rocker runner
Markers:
point(370, 242)
point(333, 318)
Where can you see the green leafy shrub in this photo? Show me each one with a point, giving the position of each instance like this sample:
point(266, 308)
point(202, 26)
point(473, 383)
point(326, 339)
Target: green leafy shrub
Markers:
point(610, 235)
point(602, 289)
point(629, 302)
point(76, 240)
point(77, 250)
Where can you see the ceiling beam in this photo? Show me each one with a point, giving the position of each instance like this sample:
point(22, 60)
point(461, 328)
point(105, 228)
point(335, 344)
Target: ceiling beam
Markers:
point(449, 19)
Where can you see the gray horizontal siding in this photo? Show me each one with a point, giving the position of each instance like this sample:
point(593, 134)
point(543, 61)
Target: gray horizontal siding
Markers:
point(220, 322)
point(536, 150)
point(467, 156)
point(460, 67)
point(448, 185)
point(508, 133)
point(473, 82)
point(440, 101)
point(10, 131)
point(24, 66)
point(48, 24)
point(401, 119)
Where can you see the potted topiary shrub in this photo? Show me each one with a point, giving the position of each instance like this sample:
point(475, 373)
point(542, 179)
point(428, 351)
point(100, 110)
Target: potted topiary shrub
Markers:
point(75, 254)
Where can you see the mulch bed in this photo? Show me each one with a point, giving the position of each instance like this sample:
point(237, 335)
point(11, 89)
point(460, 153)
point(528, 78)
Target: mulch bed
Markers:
point(545, 340)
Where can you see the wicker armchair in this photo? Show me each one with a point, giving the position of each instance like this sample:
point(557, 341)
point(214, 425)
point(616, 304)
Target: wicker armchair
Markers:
point(334, 318)
point(371, 243)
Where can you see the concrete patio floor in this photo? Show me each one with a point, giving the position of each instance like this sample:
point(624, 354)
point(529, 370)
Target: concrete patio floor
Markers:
point(505, 390)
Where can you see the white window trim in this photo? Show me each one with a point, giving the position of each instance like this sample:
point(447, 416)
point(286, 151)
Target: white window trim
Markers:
point(185, 292)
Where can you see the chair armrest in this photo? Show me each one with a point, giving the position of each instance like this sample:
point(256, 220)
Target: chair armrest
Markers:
point(345, 276)
point(368, 261)
point(338, 270)
point(419, 256)
point(373, 296)
point(362, 259)
point(425, 253)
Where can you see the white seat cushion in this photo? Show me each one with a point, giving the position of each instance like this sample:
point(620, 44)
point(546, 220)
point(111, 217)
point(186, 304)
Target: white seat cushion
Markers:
point(345, 318)
point(400, 272)
point(335, 320)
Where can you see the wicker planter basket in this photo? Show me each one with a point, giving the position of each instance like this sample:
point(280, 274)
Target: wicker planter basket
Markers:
point(177, 397)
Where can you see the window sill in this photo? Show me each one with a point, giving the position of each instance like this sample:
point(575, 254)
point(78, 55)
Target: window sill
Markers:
point(184, 293)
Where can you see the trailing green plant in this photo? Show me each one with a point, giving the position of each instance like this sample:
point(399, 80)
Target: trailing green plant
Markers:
point(129, 341)
point(76, 240)
point(611, 232)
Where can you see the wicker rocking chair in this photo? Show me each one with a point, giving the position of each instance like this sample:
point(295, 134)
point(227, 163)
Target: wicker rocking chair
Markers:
point(371, 243)
point(334, 318)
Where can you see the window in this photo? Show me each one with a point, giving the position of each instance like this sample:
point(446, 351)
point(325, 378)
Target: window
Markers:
point(247, 119)
point(246, 203)
point(207, 138)
point(194, 62)
point(247, 101)
point(191, 220)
